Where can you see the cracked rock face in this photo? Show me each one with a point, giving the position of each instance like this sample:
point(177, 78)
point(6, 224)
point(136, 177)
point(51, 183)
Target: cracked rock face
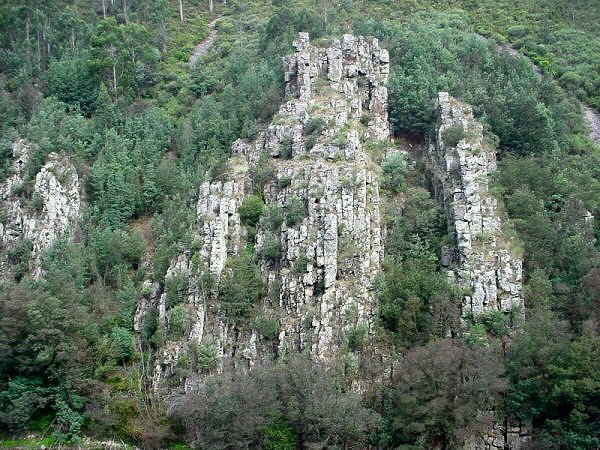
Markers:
point(485, 260)
point(324, 188)
point(52, 212)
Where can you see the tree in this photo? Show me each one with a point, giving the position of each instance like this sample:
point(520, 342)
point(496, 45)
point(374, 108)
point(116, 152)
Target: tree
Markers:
point(441, 394)
point(119, 51)
point(294, 404)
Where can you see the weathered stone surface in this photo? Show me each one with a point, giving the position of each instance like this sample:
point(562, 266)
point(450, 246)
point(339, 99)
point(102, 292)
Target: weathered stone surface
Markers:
point(321, 285)
point(484, 260)
point(52, 212)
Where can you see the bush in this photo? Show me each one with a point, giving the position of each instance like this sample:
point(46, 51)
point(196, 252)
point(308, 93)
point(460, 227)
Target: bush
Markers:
point(286, 148)
point(314, 126)
point(176, 289)
point(296, 398)
point(251, 210)
point(301, 264)
point(357, 338)
point(271, 248)
point(274, 219)
point(394, 172)
point(262, 173)
point(205, 356)
point(295, 211)
point(178, 321)
point(452, 135)
point(37, 202)
point(240, 286)
point(268, 328)
point(122, 344)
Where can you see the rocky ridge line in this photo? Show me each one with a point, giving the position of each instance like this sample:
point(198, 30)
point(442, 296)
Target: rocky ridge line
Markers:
point(319, 286)
point(485, 258)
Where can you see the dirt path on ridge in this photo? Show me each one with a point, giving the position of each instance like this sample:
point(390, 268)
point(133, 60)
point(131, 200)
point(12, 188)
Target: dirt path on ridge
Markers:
point(203, 47)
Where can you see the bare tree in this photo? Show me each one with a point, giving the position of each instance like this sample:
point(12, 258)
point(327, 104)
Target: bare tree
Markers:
point(181, 11)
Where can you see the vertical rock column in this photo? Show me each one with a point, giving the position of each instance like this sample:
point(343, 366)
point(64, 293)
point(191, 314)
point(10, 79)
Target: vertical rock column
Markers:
point(485, 259)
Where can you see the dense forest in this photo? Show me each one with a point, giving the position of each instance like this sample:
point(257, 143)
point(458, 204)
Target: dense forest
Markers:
point(108, 85)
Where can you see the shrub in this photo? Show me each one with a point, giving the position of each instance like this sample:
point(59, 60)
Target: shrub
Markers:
point(122, 344)
point(271, 248)
point(274, 219)
point(205, 356)
point(37, 202)
point(394, 172)
point(451, 136)
point(310, 142)
point(286, 148)
point(176, 288)
point(301, 263)
point(240, 287)
point(284, 182)
point(295, 211)
point(251, 210)
point(178, 321)
point(312, 130)
point(357, 337)
point(268, 328)
point(262, 173)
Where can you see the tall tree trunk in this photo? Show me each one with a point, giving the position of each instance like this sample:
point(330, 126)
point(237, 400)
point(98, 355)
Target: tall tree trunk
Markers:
point(104, 9)
point(211, 6)
point(125, 11)
point(181, 10)
point(115, 77)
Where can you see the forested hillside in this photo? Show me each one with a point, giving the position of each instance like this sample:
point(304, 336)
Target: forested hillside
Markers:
point(220, 232)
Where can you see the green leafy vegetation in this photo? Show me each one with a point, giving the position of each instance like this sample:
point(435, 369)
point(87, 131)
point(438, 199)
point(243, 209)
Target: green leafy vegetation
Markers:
point(108, 85)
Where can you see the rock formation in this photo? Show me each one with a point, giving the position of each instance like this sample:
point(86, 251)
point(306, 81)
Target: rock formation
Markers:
point(51, 212)
point(319, 241)
point(485, 259)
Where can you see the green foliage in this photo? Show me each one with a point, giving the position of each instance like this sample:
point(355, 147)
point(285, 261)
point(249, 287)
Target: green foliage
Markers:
point(56, 127)
point(178, 321)
point(274, 218)
point(295, 211)
point(279, 436)
point(394, 169)
point(268, 328)
point(293, 402)
point(205, 356)
point(251, 210)
point(451, 136)
point(554, 382)
point(270, 248)
point(262, 173)
point(123, 180)
point(122, 343)
point(437, 53)
point(314, 126)
point(301, 263)
point(357, 337)
point(432, 384)
point(122, 55)
point(71, 81)
point(240, 287)
point(18, 257)
point(176, 289)
point(286, 148)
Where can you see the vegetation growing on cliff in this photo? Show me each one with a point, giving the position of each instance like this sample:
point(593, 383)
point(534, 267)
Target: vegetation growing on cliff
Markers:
point(108, 84)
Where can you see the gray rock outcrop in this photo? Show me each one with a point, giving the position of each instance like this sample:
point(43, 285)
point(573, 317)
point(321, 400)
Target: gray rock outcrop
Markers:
point(485, 260)
point(325, 250)
point(52, 212)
